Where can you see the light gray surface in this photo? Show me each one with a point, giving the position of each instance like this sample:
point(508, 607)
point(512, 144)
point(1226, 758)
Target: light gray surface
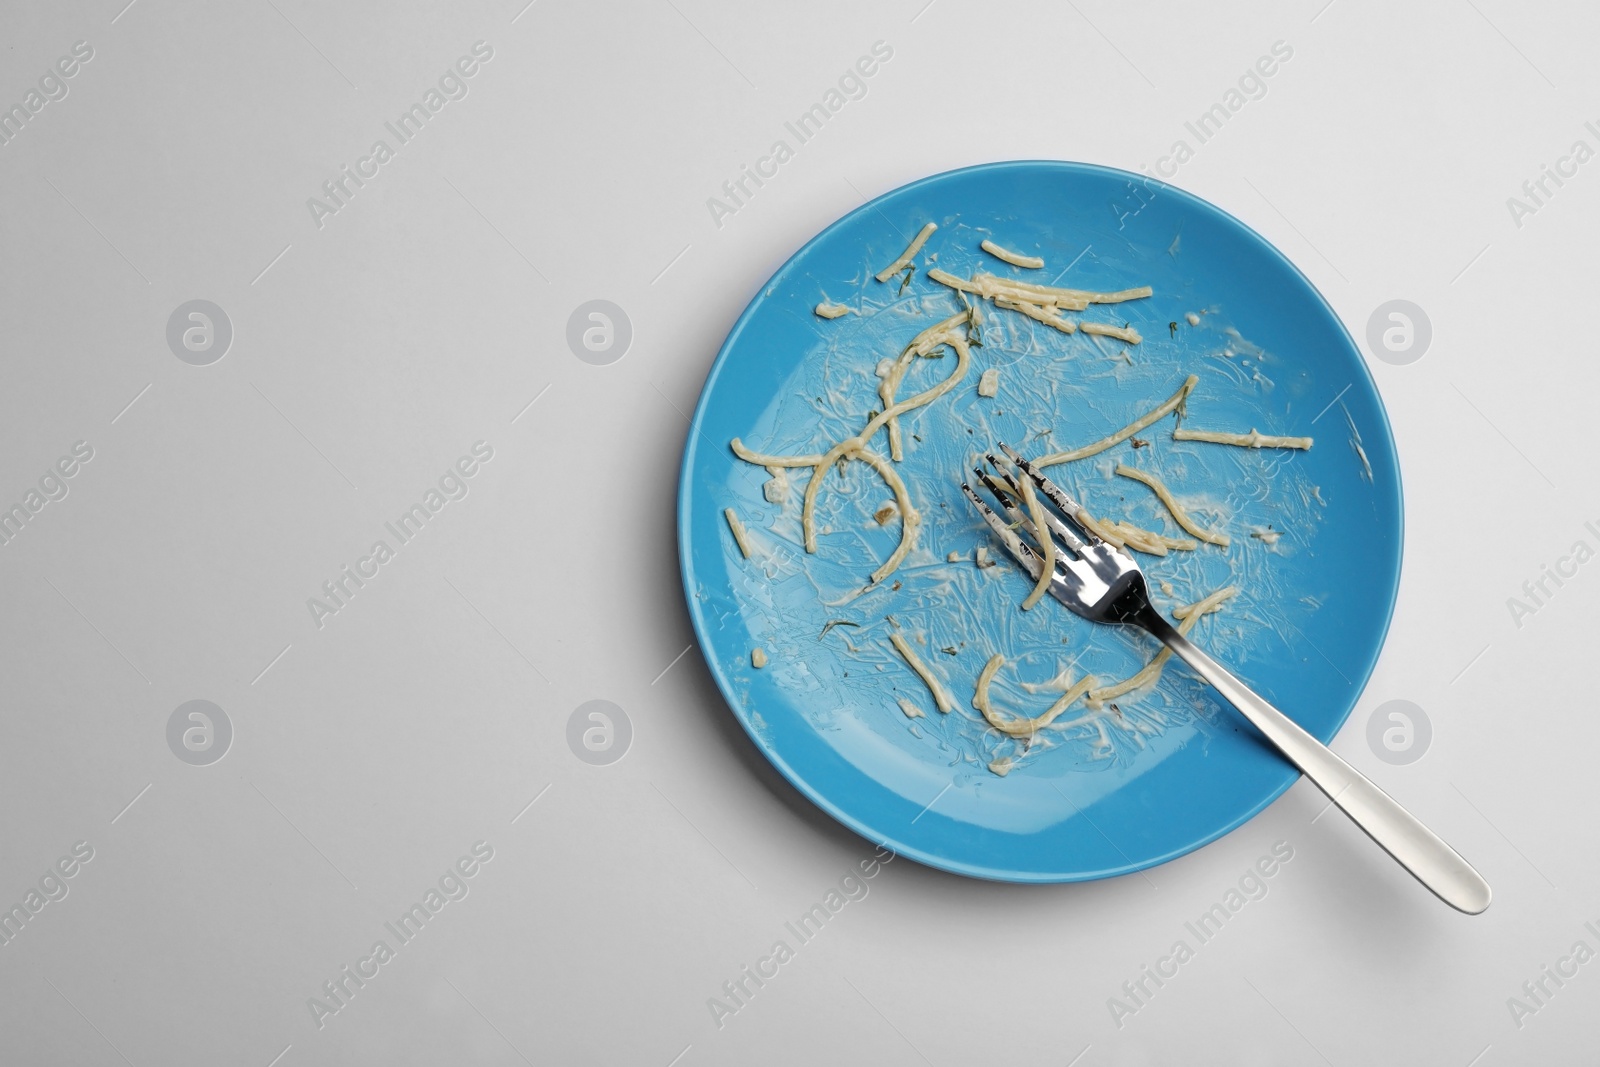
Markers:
point(369, 354)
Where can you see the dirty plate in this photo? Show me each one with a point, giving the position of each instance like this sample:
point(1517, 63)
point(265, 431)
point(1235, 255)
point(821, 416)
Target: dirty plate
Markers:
point(1316, 535)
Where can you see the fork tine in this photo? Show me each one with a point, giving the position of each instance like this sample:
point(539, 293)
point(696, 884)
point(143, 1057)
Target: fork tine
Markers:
point(1064, 530)
point(1007, 492)
point(1054, 492)
point(1006, 481)
point(1067, 532)
point(1008, 537)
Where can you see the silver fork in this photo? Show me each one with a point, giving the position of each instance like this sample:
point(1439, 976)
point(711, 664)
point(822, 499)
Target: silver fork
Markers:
point(1103, 584)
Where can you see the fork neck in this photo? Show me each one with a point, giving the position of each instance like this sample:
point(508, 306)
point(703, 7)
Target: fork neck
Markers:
point(1133, 608)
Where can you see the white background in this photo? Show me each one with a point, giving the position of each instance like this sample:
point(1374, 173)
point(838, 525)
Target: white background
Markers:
point(424, 316)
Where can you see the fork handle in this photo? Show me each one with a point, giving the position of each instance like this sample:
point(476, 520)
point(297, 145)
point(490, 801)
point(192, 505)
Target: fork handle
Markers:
point(1401, 834)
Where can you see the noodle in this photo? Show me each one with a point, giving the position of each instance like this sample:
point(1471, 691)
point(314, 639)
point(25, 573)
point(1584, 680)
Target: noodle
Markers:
point(926, 341)
point(1253, 439)
point(1020, 727)
point(1037, 312)
point(910, 518)
point(1150, 542)
point(1121, 333)
point(1187, 616)
point(761, 459)
point(905, 257)
point(738, 531)
point(1047, 544)
point(1172, 403)
point(1014, 258)
point(1178, 513)
point(850, 444)
point(944, 277)
point(941, 699)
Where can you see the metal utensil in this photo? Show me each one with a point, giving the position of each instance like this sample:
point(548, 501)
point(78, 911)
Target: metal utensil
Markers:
point(1103, 584)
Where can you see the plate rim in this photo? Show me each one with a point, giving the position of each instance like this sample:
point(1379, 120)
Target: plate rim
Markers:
point(724, 685)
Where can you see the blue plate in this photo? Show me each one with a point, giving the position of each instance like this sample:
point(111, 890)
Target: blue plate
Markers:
point(1316, 534)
